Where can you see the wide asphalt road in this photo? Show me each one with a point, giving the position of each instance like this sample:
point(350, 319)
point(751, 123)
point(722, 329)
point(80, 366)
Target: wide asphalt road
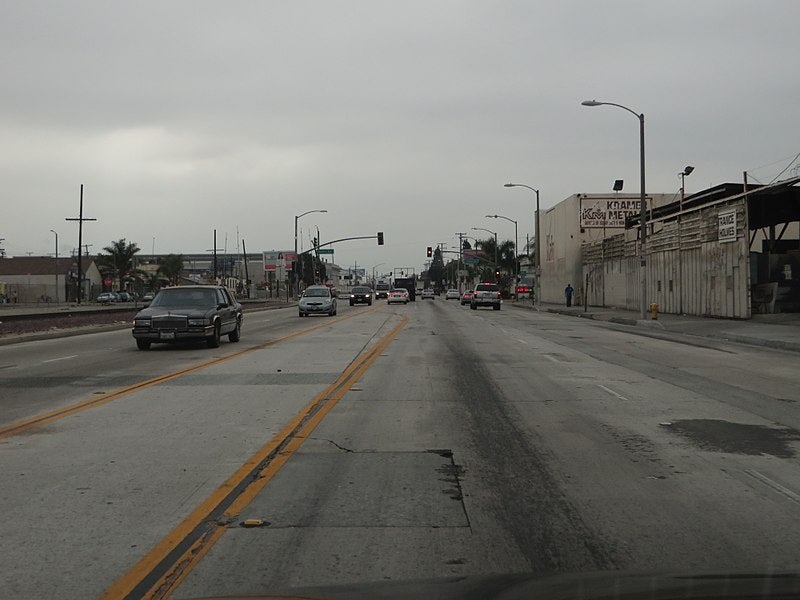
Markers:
point(390, 443)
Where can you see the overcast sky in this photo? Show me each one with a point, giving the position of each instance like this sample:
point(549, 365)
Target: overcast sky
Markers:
point(402, 117)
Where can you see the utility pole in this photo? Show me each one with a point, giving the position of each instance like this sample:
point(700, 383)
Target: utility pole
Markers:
point(80, 221)
point(460, 235)
point(214, 250)
point(246, 274)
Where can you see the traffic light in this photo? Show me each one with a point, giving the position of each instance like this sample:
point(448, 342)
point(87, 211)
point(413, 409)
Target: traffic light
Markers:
point(430, 251)
point(380, 238)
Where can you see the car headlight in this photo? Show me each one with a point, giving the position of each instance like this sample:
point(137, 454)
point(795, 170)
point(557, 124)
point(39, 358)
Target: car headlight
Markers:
point(197, 322)
point(141, 322)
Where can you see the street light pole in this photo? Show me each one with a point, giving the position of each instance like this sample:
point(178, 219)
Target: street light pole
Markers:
point(295, 278)
point(56, 269)
point(516, 245)
point(538, 253)
point(642, 206)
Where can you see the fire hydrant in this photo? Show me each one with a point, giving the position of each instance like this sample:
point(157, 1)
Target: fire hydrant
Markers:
point(654, 311)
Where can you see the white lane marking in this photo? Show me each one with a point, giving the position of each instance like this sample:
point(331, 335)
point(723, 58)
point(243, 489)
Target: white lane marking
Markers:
point(553, 358)
point(773, 484)
point(612, 392)
point(522, 341)
point(60, 358)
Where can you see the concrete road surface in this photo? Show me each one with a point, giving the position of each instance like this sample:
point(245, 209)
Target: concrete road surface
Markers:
point(390, 443)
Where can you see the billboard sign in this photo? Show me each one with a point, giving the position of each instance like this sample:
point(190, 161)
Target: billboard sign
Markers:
point(278, 261)
point(471, 256)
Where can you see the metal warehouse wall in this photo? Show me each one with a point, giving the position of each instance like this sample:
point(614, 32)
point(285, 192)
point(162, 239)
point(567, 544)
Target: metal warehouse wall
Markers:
point(689, 271)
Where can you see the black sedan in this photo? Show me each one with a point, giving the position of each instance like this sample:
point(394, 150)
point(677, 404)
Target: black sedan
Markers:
point(360, 295)
point(191, 312)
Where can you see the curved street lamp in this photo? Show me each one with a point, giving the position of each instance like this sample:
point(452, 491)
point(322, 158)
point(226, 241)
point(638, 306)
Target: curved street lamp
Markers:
point(297, 262)
point(494, 233)
point(538, 254)
point(516, 245)
point(642, 205)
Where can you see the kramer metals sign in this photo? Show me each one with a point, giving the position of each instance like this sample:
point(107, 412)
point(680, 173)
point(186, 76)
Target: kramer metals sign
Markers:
point(607, 212)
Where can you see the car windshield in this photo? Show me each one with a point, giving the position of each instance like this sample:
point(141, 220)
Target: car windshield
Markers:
point(317, 293)
point(279, 413)
point(190, 297)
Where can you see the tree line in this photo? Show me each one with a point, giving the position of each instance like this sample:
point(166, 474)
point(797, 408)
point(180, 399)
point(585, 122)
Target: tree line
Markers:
point(119, 260)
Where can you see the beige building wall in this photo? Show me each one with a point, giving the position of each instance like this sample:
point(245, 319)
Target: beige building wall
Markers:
point(563, 238)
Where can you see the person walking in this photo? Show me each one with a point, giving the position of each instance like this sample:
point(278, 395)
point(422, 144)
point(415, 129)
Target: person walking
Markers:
point(568, 291)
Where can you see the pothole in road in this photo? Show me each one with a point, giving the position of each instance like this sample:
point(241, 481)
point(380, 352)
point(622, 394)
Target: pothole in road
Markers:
point(738, 438)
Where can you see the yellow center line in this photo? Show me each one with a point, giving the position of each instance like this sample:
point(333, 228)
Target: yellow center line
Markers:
point(160, 571)
point(99, 400)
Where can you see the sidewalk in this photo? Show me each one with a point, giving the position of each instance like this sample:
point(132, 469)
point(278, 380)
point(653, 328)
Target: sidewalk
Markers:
point(781, 331)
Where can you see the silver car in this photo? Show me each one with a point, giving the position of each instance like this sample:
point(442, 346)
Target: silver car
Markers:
point(317, 299)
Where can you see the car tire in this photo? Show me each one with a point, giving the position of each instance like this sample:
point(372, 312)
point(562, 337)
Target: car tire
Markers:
point(369, 303)
point(236, 334)
point(496, 307)
point(212, 341)
point(473, 306)
point(143, 344)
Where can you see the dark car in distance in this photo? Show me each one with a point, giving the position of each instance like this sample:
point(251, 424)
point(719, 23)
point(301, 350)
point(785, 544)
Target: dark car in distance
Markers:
point(360, 295)
point(190, 312)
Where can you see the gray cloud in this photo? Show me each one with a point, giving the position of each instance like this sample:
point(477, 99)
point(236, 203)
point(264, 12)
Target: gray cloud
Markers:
point(185, 116)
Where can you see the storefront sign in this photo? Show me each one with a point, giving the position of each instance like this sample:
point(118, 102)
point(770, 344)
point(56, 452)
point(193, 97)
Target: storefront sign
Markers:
point(726, 220)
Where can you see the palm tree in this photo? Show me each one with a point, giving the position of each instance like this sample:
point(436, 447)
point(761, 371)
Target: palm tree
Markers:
point(171, 267)
point(507, 256)
point(489, 249)
point(119, 259)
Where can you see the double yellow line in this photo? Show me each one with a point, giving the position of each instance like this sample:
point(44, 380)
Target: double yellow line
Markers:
point(169, 562)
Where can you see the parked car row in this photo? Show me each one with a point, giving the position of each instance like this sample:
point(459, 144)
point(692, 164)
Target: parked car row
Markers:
point(113, 297)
